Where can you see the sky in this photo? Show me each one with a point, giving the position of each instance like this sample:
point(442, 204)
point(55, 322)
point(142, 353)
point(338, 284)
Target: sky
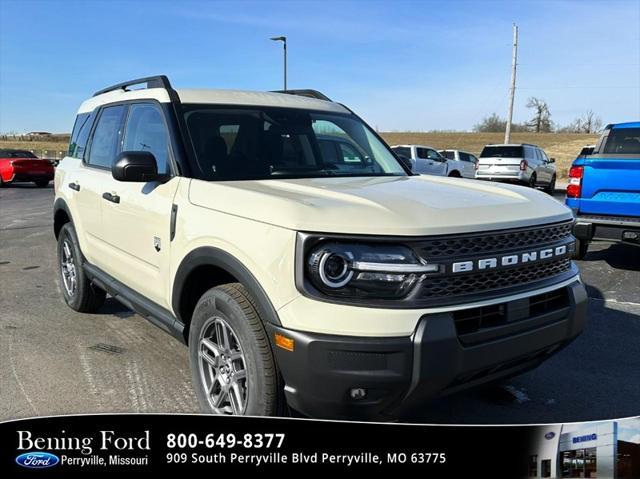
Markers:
point(401, 65)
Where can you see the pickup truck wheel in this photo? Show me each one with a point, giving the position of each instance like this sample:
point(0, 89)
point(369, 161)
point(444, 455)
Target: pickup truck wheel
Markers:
point(532, 181)
point(78, 291)
point(582, 247)
point(551, 187)
point(234, 371)
point(455, 174)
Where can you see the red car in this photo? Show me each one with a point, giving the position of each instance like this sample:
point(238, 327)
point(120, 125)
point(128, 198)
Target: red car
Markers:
point(22, 165)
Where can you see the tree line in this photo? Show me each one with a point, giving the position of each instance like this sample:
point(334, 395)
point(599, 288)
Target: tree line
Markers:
point(587, 122)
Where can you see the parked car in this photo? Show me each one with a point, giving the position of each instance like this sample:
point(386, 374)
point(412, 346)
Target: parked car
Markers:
point(425, 160)
point(604, 189)
point(461, 162)
point(518, 163)
point(23, 166)
point(586, 151)
point(356, 292)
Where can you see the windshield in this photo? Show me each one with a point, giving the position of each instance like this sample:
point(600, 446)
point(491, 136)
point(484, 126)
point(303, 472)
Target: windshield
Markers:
point(502, 151)
point(16, 154)
point(623, 141)
point(276, 143)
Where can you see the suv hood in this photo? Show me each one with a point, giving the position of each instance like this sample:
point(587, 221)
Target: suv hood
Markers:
point(403, 206)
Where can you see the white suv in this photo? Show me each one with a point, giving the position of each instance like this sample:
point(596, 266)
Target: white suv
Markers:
point(518, 163)
point(280, 238)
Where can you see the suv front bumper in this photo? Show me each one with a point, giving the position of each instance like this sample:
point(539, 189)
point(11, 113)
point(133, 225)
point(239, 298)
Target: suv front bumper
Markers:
point(398, 374)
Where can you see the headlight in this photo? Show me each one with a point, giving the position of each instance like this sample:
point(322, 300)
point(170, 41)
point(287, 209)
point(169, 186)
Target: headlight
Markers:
point(365, 271)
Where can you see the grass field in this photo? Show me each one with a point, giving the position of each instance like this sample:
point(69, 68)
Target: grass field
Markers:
point(562, 146)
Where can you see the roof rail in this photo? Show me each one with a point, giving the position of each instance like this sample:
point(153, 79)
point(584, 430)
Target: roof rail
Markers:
point(308, 93)
point(158, 81)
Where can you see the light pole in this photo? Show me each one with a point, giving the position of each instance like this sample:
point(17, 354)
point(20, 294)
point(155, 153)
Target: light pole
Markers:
point(283, 39)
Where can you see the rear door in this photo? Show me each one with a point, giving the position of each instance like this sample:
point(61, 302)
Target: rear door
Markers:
point(92, 173)
point(467, 167)
point(611, 180)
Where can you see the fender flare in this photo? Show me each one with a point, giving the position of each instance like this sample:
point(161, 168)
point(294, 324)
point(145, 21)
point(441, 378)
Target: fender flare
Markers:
point(210, 256)
point(60, 204)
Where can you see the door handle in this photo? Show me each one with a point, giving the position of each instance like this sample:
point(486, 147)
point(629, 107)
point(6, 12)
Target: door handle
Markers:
point(109, 197)
point(74, 186)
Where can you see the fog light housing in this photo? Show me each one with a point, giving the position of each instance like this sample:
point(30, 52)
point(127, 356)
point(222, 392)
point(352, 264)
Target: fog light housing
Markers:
point(358, 393)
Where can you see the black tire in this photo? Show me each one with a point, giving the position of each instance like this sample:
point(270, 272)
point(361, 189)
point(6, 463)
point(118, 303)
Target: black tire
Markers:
point(41, 183)
point(2, 183)
point(455, 174)
point(532, 181)
point(551, 187)
point(582, 247)
point(85, 297)
point(232, 303)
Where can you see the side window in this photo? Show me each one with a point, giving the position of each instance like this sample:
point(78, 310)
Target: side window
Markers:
point(350, 154)
point(543, 156)
point(433, 155)
point(80, 135)
point(328, 152)
point(229, 133)
point(422, 153)
point(463, 156)
point(146, 131)
point(106, 136)
point(473, 159)
point(529, 153)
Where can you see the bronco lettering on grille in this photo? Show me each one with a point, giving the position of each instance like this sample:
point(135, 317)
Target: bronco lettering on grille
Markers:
point(509, 260)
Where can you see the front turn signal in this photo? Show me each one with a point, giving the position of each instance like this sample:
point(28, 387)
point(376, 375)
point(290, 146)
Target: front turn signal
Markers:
point(284, 342)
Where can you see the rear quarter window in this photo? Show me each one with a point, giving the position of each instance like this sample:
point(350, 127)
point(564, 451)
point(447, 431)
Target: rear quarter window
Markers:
point(623, 141)
point(80, 135)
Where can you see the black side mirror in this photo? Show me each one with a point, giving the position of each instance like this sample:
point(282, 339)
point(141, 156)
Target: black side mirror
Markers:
point(552, 160)
point(406, 162)
point(135, 166)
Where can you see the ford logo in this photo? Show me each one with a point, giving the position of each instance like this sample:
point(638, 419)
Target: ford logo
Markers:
point(550, 435)
point(37, 460)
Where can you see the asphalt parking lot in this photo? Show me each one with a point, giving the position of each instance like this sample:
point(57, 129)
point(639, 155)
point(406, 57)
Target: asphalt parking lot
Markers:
point(56, 361)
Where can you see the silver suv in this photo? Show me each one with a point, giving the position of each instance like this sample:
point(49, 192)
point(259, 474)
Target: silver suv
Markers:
point(518, 163)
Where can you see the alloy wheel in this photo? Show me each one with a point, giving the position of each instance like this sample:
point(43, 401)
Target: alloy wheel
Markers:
point(68, 268)
point(223, 368)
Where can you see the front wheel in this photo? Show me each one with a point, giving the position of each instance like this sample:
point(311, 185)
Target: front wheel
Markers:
point(234, 371)
point(551, 187)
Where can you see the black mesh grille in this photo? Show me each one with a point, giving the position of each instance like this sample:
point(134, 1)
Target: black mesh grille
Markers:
point(448, 286)
point(493, 242)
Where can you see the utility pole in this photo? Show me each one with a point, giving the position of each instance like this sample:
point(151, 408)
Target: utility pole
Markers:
point(512, 90)
point(283, 39)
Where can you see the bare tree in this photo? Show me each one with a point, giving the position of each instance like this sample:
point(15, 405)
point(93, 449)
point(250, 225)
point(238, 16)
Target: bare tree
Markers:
point(541, 121)
point(589, 122)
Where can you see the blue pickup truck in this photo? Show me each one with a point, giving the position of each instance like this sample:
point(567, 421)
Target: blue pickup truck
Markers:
point(604, 189)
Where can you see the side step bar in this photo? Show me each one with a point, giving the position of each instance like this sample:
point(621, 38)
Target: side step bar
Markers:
point(149, 310)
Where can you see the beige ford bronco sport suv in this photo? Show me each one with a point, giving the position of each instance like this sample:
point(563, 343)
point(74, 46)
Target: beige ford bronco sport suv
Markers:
point(302, 263)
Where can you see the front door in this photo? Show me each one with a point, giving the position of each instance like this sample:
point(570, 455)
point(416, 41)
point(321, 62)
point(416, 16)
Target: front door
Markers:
point(137, 216)
point(430, 162)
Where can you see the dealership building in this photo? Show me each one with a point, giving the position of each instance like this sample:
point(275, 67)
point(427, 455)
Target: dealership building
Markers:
point(585, 450)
